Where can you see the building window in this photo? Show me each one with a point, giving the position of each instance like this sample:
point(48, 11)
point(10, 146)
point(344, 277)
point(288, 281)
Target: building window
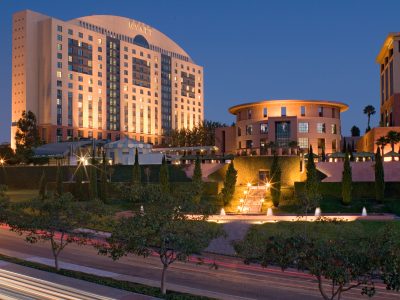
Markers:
point(303, 127)
point(70, 31)
point(302, 111)
point(249, 129)
point(59, 28)
point(240, 145)
point(282, 133)
point(386, 84)
point(333, 112)
point(334, 149)
point(320, 111)
point(58, 74)
point(239, 131)
point(81, 35)
point(265, 112)
point(59, 37)
point(391, 77)
point(249, 144)
point(264, 128)
point(249, 114)
point(321, 128)
point(303, 143)
point(333, 129)
point(283, 111)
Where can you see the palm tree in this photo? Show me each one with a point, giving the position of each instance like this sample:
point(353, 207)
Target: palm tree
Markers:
point(382, 142)
point(369, 110)
point(392, 138)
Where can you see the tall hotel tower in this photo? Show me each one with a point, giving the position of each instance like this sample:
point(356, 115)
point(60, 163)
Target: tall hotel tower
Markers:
point(102, 77)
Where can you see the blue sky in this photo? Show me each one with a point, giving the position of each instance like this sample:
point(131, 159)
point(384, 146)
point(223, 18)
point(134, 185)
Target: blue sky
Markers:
point(251, 50)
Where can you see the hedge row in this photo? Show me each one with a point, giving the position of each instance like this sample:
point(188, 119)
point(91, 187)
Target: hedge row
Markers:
point(107, 281)
point(24, 177)
point(361, 190)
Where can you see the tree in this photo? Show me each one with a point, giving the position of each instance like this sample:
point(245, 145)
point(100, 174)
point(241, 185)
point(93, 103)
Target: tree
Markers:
point(382, 142)
point(53, 219)
point(27, 136)
point(164, 176)
point(369, 110)
point(312, 195)
point(379, 177)
point(276, 174)
point(228, 190)
point(197, 181)
point(346, 181)
point(392, 138)
point(42, 186)
point(103, 179)
point(355, 131)
point(4, 204)
point(338, 264)
point(163, 230)
point(323, 155)
point(344, 147)
point(136, 172)
point(59, 180)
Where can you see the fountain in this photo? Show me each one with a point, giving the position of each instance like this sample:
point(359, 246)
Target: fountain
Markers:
point(269, 212)
point(222, 213)
point(317, 212)
point(364, 212)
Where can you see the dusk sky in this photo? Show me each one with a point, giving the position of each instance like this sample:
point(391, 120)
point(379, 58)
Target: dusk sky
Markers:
point(250, 50)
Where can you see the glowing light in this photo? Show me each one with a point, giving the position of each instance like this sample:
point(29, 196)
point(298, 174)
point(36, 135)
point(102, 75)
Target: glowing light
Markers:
point(268, 185)
point(241, 200)
point(262, 200)
point(245, 192)
point(2, 161)
point(249, 184)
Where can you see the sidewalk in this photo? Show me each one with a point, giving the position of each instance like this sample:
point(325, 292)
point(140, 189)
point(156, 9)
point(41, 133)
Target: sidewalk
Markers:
point(67, 282)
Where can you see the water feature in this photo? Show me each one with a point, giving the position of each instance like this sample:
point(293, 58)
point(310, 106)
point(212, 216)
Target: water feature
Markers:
point(269, 212)
point(364, 212)
point(317, 212)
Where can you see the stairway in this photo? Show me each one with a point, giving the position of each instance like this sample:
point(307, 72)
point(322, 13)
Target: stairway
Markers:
point(252, 202)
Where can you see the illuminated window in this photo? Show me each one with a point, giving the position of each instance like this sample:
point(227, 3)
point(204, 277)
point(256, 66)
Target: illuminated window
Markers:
point(58, 74)
point(303, 127)
point(59, 47)
point(321, 128)
point(249, 114)
point(263, 128)
point(303, 143)
point(333, 129)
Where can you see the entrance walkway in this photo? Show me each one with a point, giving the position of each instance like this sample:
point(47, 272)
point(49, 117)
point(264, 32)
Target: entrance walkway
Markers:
point(253, 200)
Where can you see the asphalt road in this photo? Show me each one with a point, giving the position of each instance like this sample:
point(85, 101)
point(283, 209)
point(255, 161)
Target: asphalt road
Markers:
point(232, 280)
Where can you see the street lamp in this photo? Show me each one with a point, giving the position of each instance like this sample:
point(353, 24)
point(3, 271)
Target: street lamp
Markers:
point(2, 161)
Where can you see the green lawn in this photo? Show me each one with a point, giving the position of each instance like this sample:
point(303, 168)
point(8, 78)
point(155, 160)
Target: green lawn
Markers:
point(334, 205)
point(322, 230)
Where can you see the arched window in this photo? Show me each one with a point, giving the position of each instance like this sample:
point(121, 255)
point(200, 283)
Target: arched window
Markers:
point(141, 41)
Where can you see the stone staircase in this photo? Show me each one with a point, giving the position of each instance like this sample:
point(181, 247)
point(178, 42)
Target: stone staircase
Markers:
point(253, 200)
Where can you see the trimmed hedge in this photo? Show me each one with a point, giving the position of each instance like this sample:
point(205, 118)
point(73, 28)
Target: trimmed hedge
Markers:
point(28, 177)
point(107, 281)
point(363, 190)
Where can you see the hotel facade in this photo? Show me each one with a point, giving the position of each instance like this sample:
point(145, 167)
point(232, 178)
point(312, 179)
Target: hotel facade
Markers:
point(102, 77)
point(388, 60)
point(259, 124)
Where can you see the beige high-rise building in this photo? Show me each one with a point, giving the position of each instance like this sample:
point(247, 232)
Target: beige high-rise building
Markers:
point(102, 77)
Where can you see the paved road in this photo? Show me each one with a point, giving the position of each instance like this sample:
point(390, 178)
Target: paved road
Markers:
point(232, 280)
